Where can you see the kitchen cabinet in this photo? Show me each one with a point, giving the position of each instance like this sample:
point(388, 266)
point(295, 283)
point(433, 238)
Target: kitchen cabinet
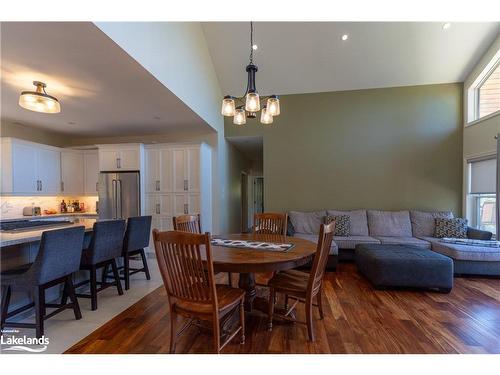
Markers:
point(179, 181)
point(120, 157)
point(72, 172)
point(90, 172)
point(30, 168)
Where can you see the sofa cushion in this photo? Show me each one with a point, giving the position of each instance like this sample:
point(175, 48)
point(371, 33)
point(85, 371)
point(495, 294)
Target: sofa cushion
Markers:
point(307, 222)
point(423, 222)
point(351, 241)
point(467, 252)
point(452, 228)
point(358, 221)
point(342, 224)
point(404, 241)
point(334, 250)
point(389, 223)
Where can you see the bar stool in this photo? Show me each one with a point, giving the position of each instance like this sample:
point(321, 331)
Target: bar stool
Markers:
point(136, 239)
point(58, 257)
point(105, 246)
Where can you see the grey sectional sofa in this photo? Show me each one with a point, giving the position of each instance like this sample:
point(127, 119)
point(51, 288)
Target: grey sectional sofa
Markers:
point(397, 227)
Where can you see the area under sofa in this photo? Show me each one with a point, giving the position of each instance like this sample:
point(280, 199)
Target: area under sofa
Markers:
point(406, 227)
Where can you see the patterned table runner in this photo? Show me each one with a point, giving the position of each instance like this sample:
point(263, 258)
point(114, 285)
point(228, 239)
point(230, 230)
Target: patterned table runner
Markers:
point(471, 242)
point(255, 245)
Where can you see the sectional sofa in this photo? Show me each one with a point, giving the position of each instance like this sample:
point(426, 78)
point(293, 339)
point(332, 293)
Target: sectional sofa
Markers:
point(398, 227)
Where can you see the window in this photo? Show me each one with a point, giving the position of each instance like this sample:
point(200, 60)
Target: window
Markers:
point(481, 193)
point(484, 93)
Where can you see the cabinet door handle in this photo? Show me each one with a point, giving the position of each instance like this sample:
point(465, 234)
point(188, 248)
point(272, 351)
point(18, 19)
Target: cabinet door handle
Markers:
point(62, 185)
point(37, 185)
point(185, 185)
point(157, 185)
point(186, 208)
point(158, 208)
point(118, 163)
point(97, 186)
point(41, 185)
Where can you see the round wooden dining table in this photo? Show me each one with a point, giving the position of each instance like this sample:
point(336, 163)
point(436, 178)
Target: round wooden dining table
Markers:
point(247, 262)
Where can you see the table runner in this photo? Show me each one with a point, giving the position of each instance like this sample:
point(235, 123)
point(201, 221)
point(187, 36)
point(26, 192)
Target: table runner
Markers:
point(471, 242)
point(254, 245)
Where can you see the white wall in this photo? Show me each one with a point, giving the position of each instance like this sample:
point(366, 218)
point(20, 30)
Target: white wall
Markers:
point(479, 136)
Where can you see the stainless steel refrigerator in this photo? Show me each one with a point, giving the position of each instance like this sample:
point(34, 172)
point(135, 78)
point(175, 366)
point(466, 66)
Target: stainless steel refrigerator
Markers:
point(119, 195)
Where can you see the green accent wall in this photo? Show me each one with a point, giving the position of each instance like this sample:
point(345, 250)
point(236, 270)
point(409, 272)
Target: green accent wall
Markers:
point(390, 148)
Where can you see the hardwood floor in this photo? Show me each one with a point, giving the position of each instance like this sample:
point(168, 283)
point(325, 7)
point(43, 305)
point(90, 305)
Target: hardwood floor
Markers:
point(358, 319)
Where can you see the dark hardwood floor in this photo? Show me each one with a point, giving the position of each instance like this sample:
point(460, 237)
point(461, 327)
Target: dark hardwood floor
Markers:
point(358, 319)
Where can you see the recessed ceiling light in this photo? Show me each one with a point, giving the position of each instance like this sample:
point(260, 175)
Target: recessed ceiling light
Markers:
point(156, 117)
point(71, 123)
point(345, 37)
point(254, 47)
point(446, 25)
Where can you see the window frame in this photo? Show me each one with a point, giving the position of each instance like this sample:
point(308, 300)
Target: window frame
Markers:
point(473, 92)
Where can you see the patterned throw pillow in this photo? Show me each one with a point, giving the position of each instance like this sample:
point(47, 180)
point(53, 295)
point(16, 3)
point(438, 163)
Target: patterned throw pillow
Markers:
point(342, 225)
point(451, 228)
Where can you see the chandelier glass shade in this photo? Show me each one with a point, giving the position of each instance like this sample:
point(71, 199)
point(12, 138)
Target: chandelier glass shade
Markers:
point(39, 100)
point(249, 104)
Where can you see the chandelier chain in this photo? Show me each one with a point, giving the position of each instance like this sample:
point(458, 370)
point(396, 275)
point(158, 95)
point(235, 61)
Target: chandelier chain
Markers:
point(251, 42)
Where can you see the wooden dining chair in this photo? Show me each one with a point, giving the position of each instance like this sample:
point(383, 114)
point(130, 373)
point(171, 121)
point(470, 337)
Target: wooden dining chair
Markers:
point(270, 223)
point(192, 292)
point(302, 286)
point(192, 224)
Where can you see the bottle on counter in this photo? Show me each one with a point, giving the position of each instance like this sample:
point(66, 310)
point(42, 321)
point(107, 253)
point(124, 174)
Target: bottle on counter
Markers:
point(64, 208)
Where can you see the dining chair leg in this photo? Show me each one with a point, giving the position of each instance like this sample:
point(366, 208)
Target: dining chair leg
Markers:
point(216, 332)
point(117, 277)
point(319, 297)
point(93, 288)
point(145, 265)
point(242, 320)
point(104, 276)
point(64, 295)
point(230, 279)
point(173, 318)
point(272, 297)
point(39, 299)
point(309, 317)
point(126, 270)
point(5, 304)
point(72, 296)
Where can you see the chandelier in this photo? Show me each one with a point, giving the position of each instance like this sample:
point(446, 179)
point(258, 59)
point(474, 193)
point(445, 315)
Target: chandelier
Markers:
point(248, 105)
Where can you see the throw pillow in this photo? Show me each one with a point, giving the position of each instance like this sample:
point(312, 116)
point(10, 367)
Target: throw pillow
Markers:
point(342, 225)
point(452, 228)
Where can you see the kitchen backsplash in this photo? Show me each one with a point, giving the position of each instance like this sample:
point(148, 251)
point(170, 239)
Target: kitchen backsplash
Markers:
point(12, 207)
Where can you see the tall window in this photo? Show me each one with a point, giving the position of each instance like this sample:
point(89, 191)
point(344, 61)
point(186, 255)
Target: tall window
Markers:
point(482, 193)
point(484, 93)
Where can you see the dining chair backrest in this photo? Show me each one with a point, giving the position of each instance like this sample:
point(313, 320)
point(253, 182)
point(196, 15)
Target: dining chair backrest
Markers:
point(107, 240)
point(270, 223)
point(137, 233)
point(58, 255)
point(181, 262)
point(320, 258)
point(187, 223)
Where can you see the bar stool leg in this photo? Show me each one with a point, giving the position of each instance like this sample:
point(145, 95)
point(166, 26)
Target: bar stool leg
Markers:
point(72, 296)
point(39, 297)
point(93, 288)
point(117, 277)
point(126, 270)
point(5, 304)
point(145, 265)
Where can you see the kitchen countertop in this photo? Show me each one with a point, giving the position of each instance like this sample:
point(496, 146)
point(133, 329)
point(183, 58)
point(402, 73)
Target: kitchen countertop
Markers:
point(44, 216)
point(26, 236)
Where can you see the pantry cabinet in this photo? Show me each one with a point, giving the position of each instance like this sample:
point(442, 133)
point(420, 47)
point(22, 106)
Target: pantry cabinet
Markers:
point(178, 181)
point(30, 168)
point(120, 157)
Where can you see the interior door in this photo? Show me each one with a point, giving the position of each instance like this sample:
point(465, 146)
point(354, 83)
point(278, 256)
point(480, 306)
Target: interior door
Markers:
point(49, 170)
point(128, 196)
point(107, 196)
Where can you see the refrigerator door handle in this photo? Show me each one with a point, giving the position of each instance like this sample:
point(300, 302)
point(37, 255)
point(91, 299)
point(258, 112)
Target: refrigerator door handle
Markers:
point(113, 184)
point(121, 199)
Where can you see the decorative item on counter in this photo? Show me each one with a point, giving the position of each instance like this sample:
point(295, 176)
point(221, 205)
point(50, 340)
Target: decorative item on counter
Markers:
point(50, 211)
point(70, 206)
point(82, 207)
point(64, 208)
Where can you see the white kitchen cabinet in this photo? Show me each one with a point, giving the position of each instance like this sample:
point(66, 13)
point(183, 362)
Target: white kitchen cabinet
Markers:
point(72, 172)
point(30, 168)
point(91, 172)
point(179, 181)
point(120, 157)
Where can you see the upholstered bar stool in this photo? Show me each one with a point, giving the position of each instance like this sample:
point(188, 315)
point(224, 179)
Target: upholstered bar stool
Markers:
point(136, 239)
point(58, 257)
point(105, 246)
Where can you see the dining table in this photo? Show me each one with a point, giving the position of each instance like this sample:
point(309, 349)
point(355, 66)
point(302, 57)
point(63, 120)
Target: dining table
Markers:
point(249, 261)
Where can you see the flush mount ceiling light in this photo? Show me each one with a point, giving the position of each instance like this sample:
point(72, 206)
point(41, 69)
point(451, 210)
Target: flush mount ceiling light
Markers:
point(249, 104)
point(345, 37)
point(39, 100)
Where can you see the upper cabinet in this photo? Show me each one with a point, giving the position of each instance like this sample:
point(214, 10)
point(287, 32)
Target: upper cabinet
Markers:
point(120, 157)
point(158, 170)
point(91, 172)
point(30, 168)
point(72, 172)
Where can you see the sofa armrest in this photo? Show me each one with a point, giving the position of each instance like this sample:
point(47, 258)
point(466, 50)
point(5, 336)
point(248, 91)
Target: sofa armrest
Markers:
point(477, 234)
